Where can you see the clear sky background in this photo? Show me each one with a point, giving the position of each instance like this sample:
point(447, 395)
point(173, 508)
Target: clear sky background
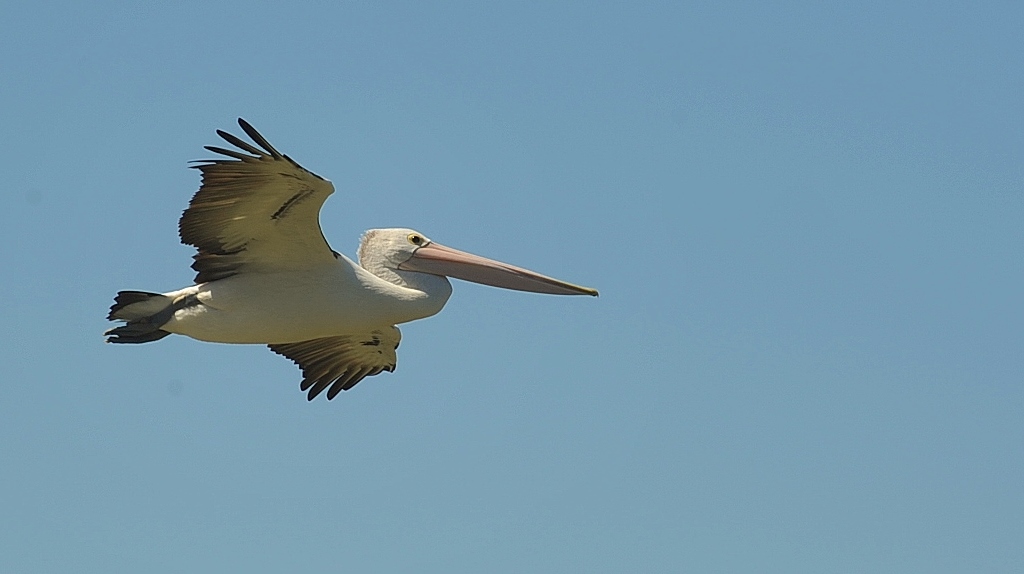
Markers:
point(805, 221)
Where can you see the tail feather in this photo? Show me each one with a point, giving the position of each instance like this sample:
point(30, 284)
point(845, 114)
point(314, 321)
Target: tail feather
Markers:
point(144, 314)
point(134, 305)
point(135, 333)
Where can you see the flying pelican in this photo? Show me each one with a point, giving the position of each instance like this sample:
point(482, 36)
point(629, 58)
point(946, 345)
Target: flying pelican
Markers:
point(266, 275)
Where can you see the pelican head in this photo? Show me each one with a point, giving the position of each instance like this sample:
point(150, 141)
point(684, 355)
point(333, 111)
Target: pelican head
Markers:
point(409, 250)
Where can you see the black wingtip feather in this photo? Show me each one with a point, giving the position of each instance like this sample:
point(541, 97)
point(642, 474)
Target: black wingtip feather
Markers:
point(240, 143)
point(317, 389)
point(228, 152)
point(333, 392)
point(259, 139)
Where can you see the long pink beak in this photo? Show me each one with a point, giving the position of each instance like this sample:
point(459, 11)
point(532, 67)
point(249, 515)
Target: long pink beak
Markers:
point(440, 260)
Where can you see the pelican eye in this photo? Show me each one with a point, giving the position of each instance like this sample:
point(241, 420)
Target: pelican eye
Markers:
point(415, 239)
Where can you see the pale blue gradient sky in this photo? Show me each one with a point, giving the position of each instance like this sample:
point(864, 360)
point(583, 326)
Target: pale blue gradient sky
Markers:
point(805, 222)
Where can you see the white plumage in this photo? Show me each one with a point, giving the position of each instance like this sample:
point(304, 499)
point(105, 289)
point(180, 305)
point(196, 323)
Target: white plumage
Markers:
point(266, 275)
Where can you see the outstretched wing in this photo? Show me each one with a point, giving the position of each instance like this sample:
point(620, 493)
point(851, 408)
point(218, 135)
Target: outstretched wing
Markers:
point(257, 211)
point(341, 362)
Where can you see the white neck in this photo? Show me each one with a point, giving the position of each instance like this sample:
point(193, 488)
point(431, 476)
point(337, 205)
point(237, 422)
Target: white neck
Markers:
point(424, 294)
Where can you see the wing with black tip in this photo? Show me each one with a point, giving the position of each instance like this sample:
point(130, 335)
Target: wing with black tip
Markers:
point(338, 363)
point(256, 210)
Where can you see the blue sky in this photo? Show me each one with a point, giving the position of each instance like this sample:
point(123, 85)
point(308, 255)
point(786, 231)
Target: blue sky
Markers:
point(804, 220)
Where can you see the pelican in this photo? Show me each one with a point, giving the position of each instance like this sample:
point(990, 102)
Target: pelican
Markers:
point(266, 275)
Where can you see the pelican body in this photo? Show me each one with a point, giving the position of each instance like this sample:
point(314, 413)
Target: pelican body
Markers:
point(266, 275)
